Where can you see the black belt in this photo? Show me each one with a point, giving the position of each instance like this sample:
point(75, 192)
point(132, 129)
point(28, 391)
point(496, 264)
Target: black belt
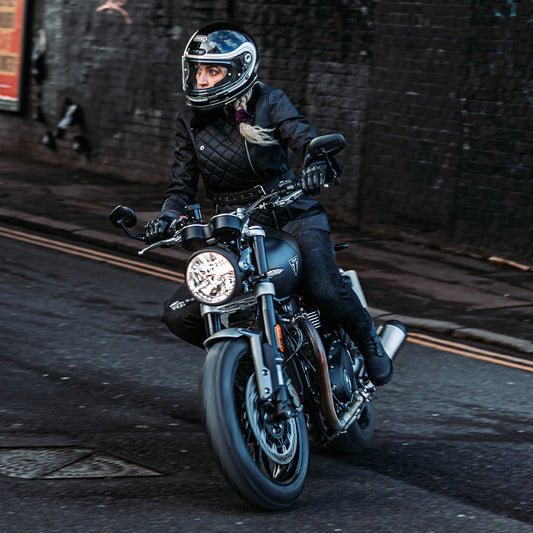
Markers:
point(242, 197)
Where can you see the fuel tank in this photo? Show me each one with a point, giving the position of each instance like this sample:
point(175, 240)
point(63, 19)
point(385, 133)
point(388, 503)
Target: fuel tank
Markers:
point(282, 252)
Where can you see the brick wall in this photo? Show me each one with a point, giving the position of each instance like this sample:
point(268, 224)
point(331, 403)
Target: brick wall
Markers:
point(448, 142)
point(431, 96)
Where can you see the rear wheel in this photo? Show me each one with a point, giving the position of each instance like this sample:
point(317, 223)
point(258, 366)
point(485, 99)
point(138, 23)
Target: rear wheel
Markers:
point(265, 461)
point(358, 435)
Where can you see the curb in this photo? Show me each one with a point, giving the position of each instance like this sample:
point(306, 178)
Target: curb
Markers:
point(178, 258)
point(458, 331)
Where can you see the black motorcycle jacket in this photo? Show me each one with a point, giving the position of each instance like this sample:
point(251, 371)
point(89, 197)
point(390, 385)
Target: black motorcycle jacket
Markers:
point(209, 144)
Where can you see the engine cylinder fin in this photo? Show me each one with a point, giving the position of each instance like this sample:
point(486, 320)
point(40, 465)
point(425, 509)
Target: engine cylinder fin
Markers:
point(314, 318)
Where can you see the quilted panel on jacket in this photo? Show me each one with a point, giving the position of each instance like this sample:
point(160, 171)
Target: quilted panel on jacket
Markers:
point(222, 154)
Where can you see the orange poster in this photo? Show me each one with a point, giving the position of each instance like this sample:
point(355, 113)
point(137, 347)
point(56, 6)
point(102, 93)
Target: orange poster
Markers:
point(11, 52)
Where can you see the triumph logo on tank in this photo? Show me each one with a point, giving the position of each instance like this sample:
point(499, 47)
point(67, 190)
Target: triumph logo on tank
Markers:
point(294, 264)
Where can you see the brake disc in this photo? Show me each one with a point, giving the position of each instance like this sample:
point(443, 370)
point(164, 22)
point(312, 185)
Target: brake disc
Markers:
point(278, 440)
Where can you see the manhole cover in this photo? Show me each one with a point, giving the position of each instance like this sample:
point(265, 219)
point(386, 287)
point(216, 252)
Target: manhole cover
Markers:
point(36, 462)
point(63, 462)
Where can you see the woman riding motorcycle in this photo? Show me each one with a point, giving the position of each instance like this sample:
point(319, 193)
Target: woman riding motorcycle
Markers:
point(236, 134)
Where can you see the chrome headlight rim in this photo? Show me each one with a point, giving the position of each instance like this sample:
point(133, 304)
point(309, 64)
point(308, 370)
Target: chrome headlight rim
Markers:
point(213, 276)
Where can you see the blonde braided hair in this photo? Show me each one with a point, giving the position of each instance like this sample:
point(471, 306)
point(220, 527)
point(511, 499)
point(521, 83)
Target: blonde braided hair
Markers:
point(252, 133)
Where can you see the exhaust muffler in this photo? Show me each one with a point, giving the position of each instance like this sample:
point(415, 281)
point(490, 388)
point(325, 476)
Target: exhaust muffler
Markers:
point(392, 334)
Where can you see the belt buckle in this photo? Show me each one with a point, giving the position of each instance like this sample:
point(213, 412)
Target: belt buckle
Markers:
point(260, 189)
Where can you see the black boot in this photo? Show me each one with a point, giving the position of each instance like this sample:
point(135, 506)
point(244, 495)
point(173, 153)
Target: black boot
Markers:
point(377, 362)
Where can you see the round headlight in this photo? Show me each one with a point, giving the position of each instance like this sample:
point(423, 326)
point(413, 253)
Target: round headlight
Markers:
point(212, 276)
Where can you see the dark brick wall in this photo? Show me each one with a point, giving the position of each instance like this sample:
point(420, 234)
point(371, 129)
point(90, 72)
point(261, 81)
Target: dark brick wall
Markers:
point(448, 142)
point(432, 97)
point(494, 197)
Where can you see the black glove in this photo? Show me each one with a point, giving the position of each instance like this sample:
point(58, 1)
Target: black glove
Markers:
point(159, 229)
point(313, 178)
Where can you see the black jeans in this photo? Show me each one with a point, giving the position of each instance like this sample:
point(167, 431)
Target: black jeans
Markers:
point(324, 288)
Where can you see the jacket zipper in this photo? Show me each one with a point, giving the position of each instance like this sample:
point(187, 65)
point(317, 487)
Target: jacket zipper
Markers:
point(250, 160)
point(272, 213)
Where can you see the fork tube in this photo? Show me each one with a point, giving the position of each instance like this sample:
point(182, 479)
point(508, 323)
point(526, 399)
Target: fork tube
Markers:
point(265, 294)
point(211, 319)
point(267, 300)
point(259, 249)
point(212, 323)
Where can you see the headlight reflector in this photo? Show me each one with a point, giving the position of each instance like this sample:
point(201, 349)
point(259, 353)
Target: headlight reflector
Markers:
point(212, 277)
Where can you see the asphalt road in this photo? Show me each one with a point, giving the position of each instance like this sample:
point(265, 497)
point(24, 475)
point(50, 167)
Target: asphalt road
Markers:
point(100, 427)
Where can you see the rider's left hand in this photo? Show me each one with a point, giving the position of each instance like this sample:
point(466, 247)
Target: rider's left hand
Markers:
point(313, 178)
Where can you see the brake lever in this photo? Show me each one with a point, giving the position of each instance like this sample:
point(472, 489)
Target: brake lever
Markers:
point(170, 242)
point(288, 199)
point(266, 201)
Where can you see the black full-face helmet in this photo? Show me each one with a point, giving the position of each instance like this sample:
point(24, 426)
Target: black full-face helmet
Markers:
point(223, 45)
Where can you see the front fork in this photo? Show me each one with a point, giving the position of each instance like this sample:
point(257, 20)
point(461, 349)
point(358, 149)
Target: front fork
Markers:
point(271, 352)
point(265, 348)
point(273, 357)
point(266, 355)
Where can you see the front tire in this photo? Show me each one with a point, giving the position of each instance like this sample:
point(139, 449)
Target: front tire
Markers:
point(265, 462)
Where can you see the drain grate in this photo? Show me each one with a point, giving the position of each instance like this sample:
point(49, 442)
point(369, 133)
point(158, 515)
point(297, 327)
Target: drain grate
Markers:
point(61, 462)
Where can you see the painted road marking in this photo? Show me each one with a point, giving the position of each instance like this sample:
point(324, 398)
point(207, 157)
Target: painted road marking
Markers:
point(425, 340)
point(470, 351)
point(72, 249)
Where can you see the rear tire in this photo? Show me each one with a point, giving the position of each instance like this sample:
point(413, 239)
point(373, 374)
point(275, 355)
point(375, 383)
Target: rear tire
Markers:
point(358, 435)
point(265, 462)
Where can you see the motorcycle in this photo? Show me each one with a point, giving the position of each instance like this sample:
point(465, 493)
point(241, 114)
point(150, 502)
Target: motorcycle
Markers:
point(275, 380)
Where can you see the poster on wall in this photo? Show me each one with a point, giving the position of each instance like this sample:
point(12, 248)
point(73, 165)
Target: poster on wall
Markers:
point(12, 14)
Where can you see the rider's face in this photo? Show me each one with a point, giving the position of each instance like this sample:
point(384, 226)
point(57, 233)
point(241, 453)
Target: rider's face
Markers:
point(208, 76)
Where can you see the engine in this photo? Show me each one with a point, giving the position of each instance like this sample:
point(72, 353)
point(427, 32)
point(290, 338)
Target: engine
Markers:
point(341, 372)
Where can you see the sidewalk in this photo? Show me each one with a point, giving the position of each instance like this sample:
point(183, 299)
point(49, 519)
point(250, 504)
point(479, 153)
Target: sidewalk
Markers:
point(443, 292)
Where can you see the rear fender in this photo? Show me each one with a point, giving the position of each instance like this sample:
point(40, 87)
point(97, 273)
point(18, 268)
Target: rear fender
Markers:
point(254, 338)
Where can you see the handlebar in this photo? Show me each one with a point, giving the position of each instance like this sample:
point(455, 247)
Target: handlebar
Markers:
point(323, 148)
point(287, 189)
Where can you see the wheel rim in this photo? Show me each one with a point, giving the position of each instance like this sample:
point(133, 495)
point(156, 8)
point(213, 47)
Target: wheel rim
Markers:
point(278, 440)
point(274, 448)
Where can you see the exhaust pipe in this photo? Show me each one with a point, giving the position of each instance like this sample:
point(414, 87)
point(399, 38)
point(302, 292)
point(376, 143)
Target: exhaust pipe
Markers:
point(392, 334)
point(324, 383)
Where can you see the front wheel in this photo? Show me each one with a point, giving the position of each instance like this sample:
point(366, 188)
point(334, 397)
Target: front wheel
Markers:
point(264, 461)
